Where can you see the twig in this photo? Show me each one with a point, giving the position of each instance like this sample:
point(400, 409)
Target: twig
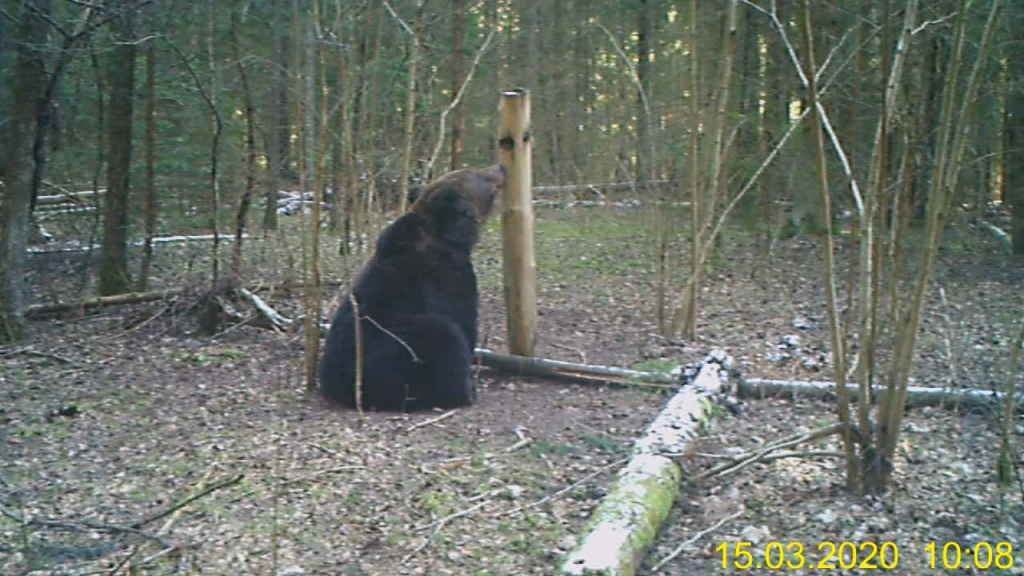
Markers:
point(376, 324)
point(950, 355)
point(921, 27)
point(29, 351)
point(679, 549)
point(171, 509)
point(565, 490)
point(318, 473)
point(124, 561)
point(160, 554)
point(582, 354)
point(438, 526)
point(405, 25)
point(177, 514)
point(524, 440)
point(430, 421)
point(323, 448)
point(456, 101)
point(761, 454)
point(778, 455)
point(83, 526)
point(357, 333)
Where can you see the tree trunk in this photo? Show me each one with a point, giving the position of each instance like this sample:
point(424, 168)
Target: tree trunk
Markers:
point(149, 205)
point(29, 76)
point(578, 147)
point(685, 321)
point(372, 110)
point(114, 278)
point(458, 58)
point(958, 104)
point(853, 481)
point(410, 103)
point(644, 33)
point(776, 121)
point(1014, 149)
point(316, 142)
point(279, 145)
point(249, 113)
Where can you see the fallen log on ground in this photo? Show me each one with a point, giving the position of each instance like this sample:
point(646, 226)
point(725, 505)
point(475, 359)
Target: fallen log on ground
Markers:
point(273, 318)
point(575, 372)
point(597, 189)
point(67, 198)
point(999, 233)
point(916, 395)
point(138, 244)
point(628, 519)
point(586, 373)
point(59, 210)
point(100, 301)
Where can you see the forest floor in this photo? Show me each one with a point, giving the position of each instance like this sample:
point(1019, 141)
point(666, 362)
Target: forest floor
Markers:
point(111, 420)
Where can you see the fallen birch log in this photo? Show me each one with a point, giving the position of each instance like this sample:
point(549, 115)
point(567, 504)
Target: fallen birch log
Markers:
point(628, 519)
point(998, 233)
point(274, 318)
point(60, 210)
point(916, 395)
point(748, 387)
point(67, 198)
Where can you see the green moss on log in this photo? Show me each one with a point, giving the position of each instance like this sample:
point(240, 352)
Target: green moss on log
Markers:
point(626, 522)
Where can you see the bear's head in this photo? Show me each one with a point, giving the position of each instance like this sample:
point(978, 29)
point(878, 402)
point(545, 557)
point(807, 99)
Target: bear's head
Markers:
point(457, 204)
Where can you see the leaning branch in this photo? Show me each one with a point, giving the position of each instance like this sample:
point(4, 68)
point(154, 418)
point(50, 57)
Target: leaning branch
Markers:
point(455, 102)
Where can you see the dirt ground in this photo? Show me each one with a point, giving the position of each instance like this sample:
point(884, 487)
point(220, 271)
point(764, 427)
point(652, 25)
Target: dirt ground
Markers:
point(111, 421)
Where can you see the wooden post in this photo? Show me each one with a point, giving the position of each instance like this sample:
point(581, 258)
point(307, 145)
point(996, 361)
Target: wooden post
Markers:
point(520, 269)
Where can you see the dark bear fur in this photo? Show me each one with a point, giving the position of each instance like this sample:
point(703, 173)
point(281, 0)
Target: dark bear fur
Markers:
point(417, 297)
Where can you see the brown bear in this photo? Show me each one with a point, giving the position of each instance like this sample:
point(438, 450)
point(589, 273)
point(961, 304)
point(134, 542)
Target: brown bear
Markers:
point(417, 301)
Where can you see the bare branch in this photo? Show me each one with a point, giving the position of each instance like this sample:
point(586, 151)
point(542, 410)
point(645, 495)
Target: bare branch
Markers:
point(924, 25)
point(679, 549)
point(456, 101)
point(412, 352)
point(405, 25)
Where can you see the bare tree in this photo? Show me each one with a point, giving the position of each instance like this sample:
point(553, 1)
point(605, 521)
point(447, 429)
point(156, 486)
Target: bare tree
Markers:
point(831, 298)
point(279, 145)
point(249, 113)
point(149, 201)
point(114, 277)
point(414, 53)
point(458, 58)
point(715, 187)
point(1014, 122)
point(957, 113)
point(29, 78)
point(644, 41)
